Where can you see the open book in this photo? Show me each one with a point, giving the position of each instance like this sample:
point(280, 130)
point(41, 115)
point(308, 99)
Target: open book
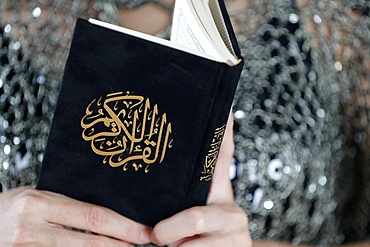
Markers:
point(198, 27)
point(140, 120)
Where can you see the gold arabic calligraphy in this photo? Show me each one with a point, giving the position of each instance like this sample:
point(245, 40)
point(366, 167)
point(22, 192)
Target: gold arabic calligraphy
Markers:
point(211, 158)
point(127, 131)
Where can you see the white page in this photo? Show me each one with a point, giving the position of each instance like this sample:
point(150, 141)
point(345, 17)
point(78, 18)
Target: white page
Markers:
point(220, 23)
point(186, 30)
point(193, 26)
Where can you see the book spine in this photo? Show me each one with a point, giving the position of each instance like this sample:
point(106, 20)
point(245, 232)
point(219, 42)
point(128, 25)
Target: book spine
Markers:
point(218, 116)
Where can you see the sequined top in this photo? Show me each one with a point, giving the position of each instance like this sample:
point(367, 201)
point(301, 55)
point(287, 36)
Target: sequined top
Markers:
point(301, 109)
point(302, 121)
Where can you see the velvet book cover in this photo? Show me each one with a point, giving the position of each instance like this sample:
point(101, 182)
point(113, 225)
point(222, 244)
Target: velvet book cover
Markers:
point(138, 125)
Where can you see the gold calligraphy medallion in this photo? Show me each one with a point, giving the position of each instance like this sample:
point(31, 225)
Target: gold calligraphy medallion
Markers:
point(211, 158)
point(127, 131)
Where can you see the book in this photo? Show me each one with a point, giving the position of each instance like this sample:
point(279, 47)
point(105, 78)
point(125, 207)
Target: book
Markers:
point(139, 120)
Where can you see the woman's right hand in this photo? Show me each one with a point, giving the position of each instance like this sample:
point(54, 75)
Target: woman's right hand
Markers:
point(30, 217)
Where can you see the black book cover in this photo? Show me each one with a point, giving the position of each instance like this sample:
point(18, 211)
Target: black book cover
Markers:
point(137, 125)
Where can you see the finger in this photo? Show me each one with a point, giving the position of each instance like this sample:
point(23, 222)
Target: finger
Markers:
point(69, 212)
point(221, 188)
point(227, 146)
point(218, 241)
point(198, 220)
point(179, 242)
point(60, 237)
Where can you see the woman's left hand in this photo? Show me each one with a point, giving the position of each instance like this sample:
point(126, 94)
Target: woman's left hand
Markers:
point(220, 223)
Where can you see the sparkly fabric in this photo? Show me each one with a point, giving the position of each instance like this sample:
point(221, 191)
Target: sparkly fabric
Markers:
point(301, 110)
point(138, 3)
point(301, 114)
point(34, 41)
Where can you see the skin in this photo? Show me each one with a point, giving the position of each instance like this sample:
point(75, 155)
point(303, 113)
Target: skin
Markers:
point(220, 223)
point(37, 218)
point(30, 217)
point(168, 230)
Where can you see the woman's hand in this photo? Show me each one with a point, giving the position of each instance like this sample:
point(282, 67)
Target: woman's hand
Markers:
point(29, 217)
point(220, 223)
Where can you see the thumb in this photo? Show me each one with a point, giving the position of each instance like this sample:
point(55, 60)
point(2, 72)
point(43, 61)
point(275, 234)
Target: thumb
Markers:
point(221, 190)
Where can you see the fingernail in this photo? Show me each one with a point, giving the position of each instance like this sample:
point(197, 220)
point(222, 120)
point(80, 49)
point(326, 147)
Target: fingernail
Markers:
point(145, 236)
